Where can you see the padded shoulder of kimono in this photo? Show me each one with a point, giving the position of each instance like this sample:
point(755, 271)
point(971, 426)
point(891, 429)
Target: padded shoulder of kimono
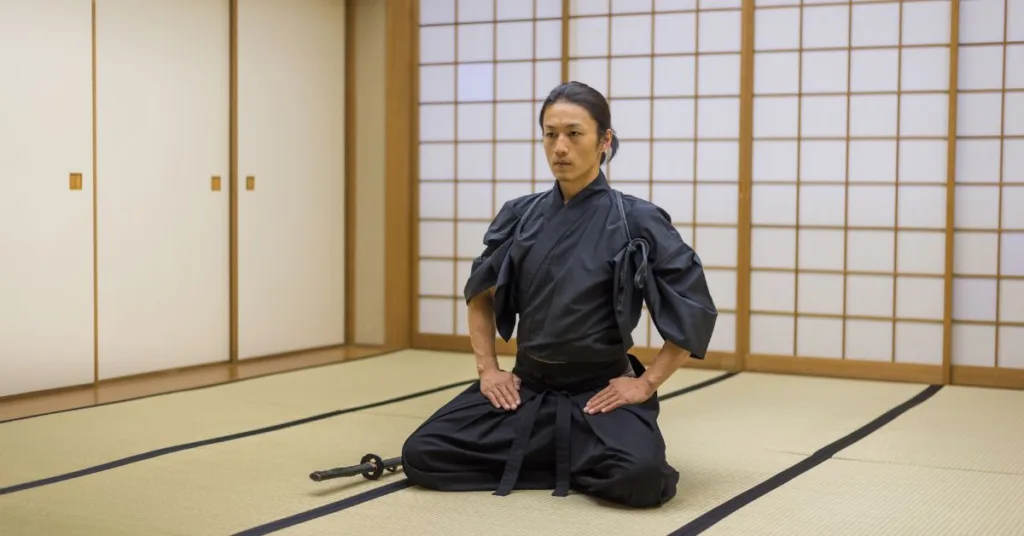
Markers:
point(654, 224)
point(504, 224)
point(487, 266)
point(675, 289)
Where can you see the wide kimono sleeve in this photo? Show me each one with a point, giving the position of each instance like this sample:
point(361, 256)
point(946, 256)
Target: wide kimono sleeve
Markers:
point(493, 268)
point(487, 267)
point(674, 285)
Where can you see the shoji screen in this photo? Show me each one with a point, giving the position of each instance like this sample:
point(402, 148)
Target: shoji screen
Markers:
point(485, 66)
point(849, 181)
point(671, 71)
point(988, 284)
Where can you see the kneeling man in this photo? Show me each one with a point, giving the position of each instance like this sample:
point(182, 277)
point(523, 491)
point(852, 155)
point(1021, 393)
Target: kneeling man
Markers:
point(575, 264)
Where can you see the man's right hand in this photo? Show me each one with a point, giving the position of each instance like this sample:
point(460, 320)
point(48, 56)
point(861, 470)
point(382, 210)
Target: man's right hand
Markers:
point(501, 388)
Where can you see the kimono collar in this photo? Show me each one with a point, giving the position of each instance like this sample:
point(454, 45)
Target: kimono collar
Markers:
point(599, 184)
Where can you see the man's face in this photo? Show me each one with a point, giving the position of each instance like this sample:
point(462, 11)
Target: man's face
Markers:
point(571, 144)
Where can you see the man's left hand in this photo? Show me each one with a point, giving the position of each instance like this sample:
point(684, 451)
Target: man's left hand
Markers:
point(620, 391)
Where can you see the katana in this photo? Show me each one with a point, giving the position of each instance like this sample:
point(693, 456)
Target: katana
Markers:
point(371, 467)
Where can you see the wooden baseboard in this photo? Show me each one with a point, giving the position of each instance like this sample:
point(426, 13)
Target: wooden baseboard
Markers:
point(845, 368)
point(175, 380)
point(1005, 378)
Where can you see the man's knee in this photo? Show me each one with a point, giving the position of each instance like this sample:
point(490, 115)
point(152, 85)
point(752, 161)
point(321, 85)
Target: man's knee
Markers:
point(416, 453)
point(420, 461)
point(642, 482)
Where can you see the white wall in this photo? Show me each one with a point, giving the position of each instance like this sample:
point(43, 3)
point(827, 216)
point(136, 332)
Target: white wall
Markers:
point(162, 127)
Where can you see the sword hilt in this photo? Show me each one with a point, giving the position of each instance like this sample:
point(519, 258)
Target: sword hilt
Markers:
point(371, 467)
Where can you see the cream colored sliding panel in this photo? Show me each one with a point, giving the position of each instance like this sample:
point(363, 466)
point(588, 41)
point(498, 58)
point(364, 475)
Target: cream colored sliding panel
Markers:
point(988, 284)
point(485, 67)
point(850, 122)
point(162, 98)
point(291, 167)
point(671, 71)
point(46, 195)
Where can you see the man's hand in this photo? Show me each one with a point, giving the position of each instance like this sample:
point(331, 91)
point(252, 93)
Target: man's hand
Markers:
point(620, 391)
point(501, 388)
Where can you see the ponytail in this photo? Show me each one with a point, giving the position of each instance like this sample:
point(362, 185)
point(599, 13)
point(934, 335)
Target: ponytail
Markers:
point(610, 153)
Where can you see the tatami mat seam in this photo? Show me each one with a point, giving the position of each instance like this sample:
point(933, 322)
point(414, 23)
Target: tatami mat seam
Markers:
point(928, 466)
point(136, 458)
point(201, 387)
point(901, 463)
point(393, 487)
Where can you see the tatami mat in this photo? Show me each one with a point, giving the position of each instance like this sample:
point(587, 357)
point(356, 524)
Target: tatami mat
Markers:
point(966, 428)
point(858, 498)
point(723, 439)
point(709, 477)
point(212, 490)
point(53, 444)
point(231, 486)
point(787, 414)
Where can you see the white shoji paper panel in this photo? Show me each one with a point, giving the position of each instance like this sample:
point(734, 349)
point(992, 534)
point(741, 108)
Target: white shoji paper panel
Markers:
point(849, 171)
point(988, 267)
point(671, 73)
point(485, 66)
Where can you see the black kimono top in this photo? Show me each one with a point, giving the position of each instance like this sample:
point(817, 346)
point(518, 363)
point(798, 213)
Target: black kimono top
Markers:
point(577, 275)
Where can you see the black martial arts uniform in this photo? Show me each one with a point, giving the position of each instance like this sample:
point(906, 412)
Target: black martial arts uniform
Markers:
point(576, 275)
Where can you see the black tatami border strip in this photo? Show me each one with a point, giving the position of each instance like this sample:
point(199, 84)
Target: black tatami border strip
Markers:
point(720, 512)
point(388, 489)
point(221, 439)
point(382, 353)
point(706, 383)
point(327, 509)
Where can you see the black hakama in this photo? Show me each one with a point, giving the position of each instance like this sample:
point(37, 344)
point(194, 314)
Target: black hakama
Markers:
point(546, 443)
point(576, 275)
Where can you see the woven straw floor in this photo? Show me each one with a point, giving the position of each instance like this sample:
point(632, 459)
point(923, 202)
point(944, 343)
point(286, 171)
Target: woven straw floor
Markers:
point(235, 458)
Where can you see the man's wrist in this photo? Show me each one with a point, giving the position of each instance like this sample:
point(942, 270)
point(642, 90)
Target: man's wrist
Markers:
point(486, 364)
point(652, 385)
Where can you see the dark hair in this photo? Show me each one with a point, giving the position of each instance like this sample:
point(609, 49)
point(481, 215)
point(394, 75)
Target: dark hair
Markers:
point(593, 101)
